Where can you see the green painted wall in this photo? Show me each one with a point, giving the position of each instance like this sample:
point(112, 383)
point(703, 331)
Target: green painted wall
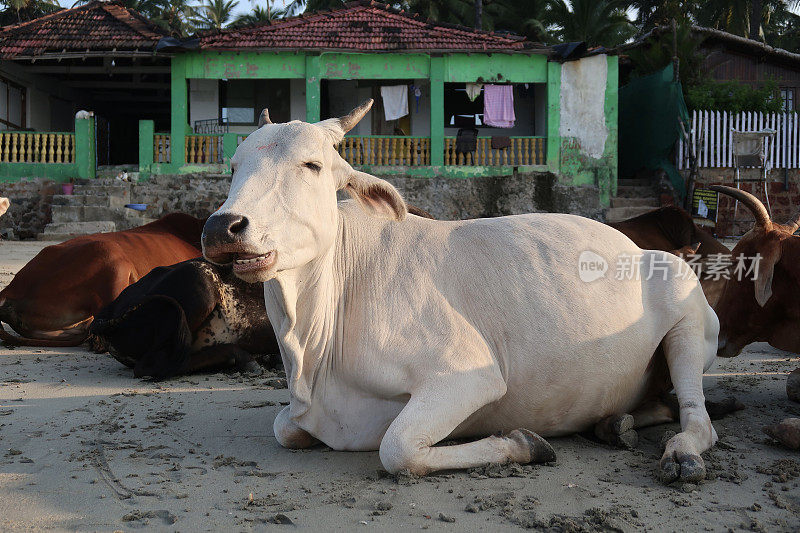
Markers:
point(501, 68)
point(374, 66)
point(233, 65)
point(60, 172)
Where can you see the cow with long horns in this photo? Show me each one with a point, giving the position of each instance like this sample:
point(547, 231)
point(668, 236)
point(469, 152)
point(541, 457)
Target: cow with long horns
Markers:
point(765, 306)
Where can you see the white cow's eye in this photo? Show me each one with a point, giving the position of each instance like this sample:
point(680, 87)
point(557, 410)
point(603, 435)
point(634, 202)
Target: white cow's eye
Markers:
point(316, 167)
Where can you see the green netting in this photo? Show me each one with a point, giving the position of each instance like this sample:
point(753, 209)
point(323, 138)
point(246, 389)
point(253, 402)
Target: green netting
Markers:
point(649, 110)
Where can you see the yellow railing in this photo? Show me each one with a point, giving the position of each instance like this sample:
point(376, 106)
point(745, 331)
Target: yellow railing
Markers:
point(386, 150)
point(37, 147)
point(161, 148)
point(203, 149)
point(522, 151)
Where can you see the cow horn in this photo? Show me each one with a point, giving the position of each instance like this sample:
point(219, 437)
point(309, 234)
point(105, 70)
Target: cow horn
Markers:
point(349, 121)
point(751, 202)
point(264, 118)
point(794, 223)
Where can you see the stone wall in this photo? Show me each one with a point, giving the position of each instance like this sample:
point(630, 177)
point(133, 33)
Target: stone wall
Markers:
point(195, 194)
point(30, 207)
point(445, 198)
point(785, 202)
point(462, 198)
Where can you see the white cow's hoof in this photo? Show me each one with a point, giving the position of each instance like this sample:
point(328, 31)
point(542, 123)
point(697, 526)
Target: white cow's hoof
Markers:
point(686, 467)
point(617, 430)
point(539, 449)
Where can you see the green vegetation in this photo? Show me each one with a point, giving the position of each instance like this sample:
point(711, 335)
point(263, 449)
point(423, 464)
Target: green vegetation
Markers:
point(734, 97)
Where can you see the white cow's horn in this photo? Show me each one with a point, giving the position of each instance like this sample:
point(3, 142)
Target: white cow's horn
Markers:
point(349, 121)
point(264, 118)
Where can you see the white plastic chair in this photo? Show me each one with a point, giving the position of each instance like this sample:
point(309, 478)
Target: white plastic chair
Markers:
point(751, 150)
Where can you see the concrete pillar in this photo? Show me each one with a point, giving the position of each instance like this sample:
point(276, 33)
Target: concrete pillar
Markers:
point(230, 141)
point(179, 113)
point(313, 99)
point(553, 116)
point(85, 156)
point(146, 131)
point(437, 111)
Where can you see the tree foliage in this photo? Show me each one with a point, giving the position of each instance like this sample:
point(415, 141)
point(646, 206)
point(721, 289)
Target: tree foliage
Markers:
point(659, 53)
point(735, 97)
point(15, 11)
point(212, 14)
point(596, 22)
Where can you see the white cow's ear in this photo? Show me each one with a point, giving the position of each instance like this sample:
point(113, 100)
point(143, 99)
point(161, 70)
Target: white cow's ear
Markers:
point(376, 196)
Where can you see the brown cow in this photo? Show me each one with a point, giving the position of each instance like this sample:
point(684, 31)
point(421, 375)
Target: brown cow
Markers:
point(53, 299)
point(672, 229)
point(767, 308)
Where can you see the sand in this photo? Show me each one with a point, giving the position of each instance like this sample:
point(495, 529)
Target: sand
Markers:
point(86, 446)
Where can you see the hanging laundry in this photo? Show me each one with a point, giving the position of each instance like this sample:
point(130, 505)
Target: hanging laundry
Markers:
point(474, 91)
point(395, 101)
point(498, 106)
point(500, 142)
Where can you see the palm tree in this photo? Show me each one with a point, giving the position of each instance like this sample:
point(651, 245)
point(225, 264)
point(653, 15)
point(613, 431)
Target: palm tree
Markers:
point(522, 17)
point(259, 14)
point(169, 14)
point(295, 7)
point(212, 14)
point(16, 11)
point(173, 16)
point(450, 11)
point(658, 53)
point(782, 28)
point(651, 13)
point(597, 22)
point(732, 16)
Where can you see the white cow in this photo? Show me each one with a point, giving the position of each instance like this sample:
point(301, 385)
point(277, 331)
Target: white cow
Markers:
point(398, 332)
point(5, 203)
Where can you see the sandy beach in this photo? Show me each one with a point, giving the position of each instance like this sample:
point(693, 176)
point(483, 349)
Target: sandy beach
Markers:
point(86, 446)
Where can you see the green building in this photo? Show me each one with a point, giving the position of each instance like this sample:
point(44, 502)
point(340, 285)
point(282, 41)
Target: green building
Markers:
point(162, 106)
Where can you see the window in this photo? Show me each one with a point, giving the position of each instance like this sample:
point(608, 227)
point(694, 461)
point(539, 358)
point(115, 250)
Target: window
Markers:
point(787, 95)
point(12, 105)
point(238, 101)
point(459, 111)
point(241, 101)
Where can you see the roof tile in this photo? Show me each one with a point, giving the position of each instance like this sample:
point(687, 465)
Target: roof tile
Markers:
point(362, 26)
point(96, 26)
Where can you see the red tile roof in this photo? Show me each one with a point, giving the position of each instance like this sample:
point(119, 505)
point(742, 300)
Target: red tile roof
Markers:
point(362, 26)
point(96, 26)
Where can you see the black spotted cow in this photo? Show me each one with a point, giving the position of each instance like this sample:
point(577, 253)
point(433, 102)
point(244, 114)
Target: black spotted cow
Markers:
point(188, 317)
